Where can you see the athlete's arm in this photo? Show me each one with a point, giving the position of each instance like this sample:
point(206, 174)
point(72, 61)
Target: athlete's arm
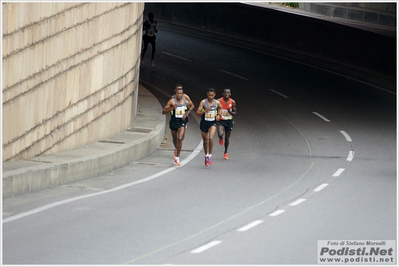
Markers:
point(200, 109)
point(169, 106)
point(219, 109)
point(190, 103)
point(233, 110)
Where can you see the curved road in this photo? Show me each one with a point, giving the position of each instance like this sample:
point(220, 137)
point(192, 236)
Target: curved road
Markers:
point(312, 157)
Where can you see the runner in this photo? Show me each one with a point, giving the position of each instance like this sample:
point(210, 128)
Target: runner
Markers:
point(187, 98)
point(226, 122)
point(179, 108)
point(150, 28)
point(209, 109)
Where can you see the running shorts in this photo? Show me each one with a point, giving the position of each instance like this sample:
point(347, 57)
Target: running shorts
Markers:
point(227, 124)
point(174, 125)
point(205, 125)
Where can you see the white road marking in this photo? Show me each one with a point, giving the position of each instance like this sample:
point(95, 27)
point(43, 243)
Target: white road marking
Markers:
point(297, 202)
point(276, 213)
point(62, 202)
point(206, 247)
point(278, 93)
point(321, 116)
point(338, 173)
point(320, 187)
point(299, 62)
point(350, 156)
point(169, 54)
point(249, 226)
point(348, 138)
point(234, 74)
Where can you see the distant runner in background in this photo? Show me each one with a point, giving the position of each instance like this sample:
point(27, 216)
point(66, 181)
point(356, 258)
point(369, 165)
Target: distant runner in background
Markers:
point(149, 28)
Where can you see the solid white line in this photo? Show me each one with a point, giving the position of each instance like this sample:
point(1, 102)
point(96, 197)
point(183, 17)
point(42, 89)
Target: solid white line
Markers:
point(338, 173)
point(350, 156)
point(206, 247)
point(249, 226)
point(276, 213)
point(62, 202)
point(297, 202)
point(320, 187)
point(234, 74)
point(348, 138)
point(278, 93)
point(322, 117)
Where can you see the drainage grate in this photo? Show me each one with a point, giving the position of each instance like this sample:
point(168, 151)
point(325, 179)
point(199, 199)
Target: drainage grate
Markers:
point(139, 130)
point(112, 142)
point(172, 149)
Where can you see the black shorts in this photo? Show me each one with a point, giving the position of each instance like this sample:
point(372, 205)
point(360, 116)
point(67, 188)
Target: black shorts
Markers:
point(227, 124)
point(205, 125)
point(174, 125)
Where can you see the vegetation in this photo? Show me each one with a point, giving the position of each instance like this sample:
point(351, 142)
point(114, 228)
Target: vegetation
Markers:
point(292, 5)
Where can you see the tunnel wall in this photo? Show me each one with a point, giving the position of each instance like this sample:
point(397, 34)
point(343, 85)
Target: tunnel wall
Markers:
point(69, 74)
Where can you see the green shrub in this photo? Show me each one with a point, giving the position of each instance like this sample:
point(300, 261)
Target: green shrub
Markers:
point(292, 5)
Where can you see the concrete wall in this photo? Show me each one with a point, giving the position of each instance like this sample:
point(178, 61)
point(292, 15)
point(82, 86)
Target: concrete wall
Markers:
point(70, 74)
point(374, 13)
point(269, 28)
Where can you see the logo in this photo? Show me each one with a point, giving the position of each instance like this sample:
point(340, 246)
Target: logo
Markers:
point(352, 252)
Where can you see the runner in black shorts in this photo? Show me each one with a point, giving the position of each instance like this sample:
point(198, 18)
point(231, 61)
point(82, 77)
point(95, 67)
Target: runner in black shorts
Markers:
point(179, 108)
point(226, 121)
point(209, 109)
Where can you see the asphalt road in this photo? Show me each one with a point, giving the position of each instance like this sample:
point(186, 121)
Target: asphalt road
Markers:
point(312, 157)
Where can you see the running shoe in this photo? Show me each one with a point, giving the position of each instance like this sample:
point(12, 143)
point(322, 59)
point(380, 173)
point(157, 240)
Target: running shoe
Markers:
point(207, 161)
point(226, 156)
point(177, 161)
point(221, 141)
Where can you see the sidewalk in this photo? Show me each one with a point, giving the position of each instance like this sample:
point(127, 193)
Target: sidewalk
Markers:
point(95, 159)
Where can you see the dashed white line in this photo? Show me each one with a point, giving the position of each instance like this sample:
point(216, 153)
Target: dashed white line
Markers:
point(350, 156)
point(175, 56)
point(234, 75)
point(348, 138)
point(297, 202)
point(321, 116)
point(249, 226)
point(338, 173)
point(278, 93)
point(320, 187)
point(206, 246)
point(276, 213)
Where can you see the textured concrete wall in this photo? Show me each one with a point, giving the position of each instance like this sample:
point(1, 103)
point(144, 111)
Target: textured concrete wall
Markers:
point(70, 74)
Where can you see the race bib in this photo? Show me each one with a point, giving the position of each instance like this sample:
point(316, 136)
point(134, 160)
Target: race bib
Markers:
point(226, 115)
point(180, 111)
point(210, 115)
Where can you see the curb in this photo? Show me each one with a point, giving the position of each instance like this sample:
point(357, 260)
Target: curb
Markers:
point(95, 159)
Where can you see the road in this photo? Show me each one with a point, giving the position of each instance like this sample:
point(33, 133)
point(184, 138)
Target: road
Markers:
point(312, 157)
